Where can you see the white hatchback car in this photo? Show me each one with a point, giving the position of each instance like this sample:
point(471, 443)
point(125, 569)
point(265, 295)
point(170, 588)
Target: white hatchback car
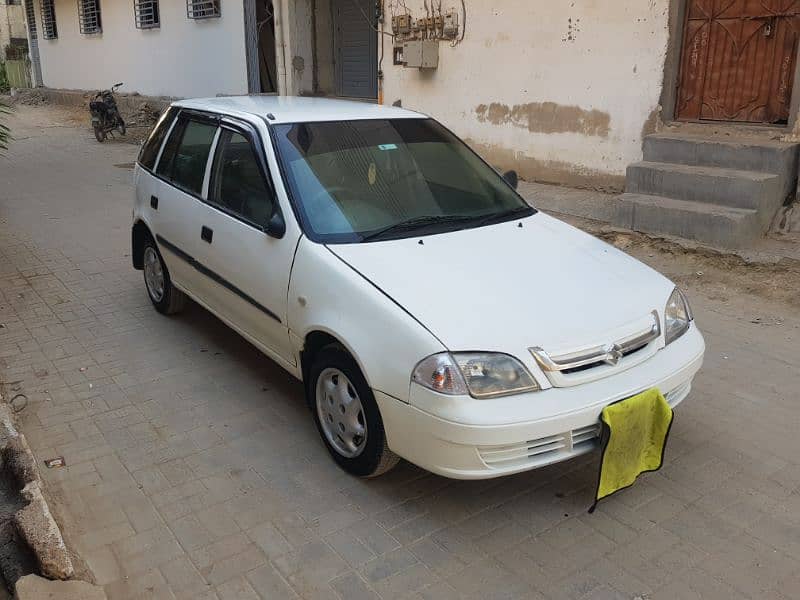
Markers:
point(430, 311)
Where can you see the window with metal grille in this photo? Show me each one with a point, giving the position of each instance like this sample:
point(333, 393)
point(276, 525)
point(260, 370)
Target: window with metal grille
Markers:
point(89, 16)
point(146, 13)
point(49, 29)
point(202, 9)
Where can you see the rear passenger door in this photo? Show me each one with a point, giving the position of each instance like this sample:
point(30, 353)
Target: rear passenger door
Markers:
point(183, 171)
point(250, 268)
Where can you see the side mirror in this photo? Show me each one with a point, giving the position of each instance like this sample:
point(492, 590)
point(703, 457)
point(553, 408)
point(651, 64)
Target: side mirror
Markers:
point(511, 178)
point(276, 226)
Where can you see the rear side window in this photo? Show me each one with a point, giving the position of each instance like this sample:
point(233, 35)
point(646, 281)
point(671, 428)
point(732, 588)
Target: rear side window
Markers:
point(185, 155)
point(239, 185)
point(149, 152)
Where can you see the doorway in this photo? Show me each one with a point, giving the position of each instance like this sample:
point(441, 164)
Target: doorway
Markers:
point(355, 42)
point(738, 60)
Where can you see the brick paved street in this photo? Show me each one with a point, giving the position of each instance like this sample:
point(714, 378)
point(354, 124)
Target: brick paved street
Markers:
point(194, 469)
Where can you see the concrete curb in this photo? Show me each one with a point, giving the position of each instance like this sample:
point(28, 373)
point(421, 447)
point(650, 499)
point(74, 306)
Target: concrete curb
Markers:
point(34, 522)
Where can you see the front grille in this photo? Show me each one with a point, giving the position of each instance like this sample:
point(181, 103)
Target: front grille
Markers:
point(544, 450)
point(574, 367)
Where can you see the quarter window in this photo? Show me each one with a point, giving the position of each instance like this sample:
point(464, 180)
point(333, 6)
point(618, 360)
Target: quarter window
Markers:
point(89, 16)
point(149, 152)
point(185, 156)
point(239, 186)
point(146, 14)
point(48, 11)
point(202, 9)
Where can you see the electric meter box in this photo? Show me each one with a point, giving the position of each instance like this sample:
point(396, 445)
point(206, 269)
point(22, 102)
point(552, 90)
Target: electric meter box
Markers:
point(421, 54)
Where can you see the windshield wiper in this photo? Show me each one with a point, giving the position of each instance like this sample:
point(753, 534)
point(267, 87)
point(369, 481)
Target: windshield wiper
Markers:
point(505, 215)
point(415, 223)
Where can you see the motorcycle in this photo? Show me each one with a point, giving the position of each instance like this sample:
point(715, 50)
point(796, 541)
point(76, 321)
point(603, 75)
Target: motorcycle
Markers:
point(105, 114)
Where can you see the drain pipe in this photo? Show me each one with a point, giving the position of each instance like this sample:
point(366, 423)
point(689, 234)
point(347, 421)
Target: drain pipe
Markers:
point(280, 48)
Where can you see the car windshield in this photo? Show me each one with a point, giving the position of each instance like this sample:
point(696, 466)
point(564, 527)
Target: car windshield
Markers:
point(366, 180)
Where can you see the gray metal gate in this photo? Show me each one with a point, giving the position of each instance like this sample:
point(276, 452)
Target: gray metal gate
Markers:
point(33, 42)
point(356, 48)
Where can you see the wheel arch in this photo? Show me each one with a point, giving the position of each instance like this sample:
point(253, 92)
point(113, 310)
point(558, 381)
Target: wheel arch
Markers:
point(318, 338)
point(140, 232)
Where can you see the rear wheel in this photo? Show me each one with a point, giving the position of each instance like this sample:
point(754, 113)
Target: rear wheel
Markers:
point(166, 298)
point(121, 125)
point(347, 415)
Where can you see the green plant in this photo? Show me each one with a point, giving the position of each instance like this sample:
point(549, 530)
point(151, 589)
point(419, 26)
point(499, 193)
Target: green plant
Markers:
point(4, 85)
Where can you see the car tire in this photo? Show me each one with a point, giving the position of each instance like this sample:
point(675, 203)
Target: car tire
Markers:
point(372, 456)
point(167, 299)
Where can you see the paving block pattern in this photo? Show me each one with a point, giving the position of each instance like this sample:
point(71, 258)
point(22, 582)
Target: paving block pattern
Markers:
point(194, 469)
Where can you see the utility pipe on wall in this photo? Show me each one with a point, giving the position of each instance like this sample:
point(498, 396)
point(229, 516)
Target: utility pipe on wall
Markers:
point(280, 47)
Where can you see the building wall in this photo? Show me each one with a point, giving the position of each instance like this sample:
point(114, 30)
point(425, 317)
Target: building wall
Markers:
point(560, 91)
point(183, 57)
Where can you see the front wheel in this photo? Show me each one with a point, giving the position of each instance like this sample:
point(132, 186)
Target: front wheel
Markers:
point(347, 415)
point(121, 126)
point(166, 298)
point(99, 133)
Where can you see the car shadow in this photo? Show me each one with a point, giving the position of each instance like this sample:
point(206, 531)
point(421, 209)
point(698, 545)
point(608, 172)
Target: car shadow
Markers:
point(547, 495)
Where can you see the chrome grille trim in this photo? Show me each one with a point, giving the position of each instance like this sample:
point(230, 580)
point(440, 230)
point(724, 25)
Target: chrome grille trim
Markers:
point(609, 354)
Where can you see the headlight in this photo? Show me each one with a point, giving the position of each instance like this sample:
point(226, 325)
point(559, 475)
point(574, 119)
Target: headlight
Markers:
point(481, 374)
point(677, 316)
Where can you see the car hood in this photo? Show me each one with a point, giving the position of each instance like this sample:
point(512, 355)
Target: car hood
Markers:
point(510, 286)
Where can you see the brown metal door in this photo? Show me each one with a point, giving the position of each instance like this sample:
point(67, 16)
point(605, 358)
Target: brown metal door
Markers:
point(738, 60)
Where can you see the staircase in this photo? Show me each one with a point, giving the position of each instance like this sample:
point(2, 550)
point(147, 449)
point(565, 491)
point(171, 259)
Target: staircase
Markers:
point(716, 189)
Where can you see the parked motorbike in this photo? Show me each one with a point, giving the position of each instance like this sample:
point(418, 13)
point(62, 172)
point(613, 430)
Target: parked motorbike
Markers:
point(105, 114)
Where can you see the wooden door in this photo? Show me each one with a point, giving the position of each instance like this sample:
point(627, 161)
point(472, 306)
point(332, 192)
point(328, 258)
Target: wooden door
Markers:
point(738, 60)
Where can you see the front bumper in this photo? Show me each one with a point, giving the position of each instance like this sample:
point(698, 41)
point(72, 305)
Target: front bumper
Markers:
point(464, 438)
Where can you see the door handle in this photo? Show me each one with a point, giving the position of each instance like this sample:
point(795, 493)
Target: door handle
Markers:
point(154, 202)
point(206, 234)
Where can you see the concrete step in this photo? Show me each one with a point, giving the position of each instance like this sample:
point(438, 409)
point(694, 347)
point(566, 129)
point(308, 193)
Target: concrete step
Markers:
point(742, 153)
point(709, 223)
point(727, 187)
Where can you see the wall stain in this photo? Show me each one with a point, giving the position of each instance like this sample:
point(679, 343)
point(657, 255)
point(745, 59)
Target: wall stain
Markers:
point(547, 117)
point(548, 171)
point(653, 123)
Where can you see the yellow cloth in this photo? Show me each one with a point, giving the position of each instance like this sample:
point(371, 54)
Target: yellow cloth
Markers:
point(632, 440)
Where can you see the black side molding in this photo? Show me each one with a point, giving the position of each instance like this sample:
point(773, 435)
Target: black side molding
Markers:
point(215, 277)
point(154, 202)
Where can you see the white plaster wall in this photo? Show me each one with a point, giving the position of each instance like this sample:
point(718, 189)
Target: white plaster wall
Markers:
point(517, 52)
point(184, 57)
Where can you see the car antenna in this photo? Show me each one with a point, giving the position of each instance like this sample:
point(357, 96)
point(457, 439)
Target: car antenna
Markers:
point(270, 116)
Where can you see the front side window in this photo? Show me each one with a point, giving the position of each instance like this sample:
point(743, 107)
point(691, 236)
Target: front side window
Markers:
point(183, 161)
point(89, 20)
point(48, 12)
point(149, 152)
point(239, 186)
point(365, 180)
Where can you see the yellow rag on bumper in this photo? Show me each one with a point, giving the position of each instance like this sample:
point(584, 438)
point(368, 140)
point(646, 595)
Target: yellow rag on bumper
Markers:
point(633, 438)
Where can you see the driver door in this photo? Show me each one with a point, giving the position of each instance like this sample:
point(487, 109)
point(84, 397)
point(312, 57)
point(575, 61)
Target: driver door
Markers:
point(249, 270)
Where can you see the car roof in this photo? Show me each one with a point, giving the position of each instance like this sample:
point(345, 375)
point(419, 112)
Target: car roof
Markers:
point(295, 109)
